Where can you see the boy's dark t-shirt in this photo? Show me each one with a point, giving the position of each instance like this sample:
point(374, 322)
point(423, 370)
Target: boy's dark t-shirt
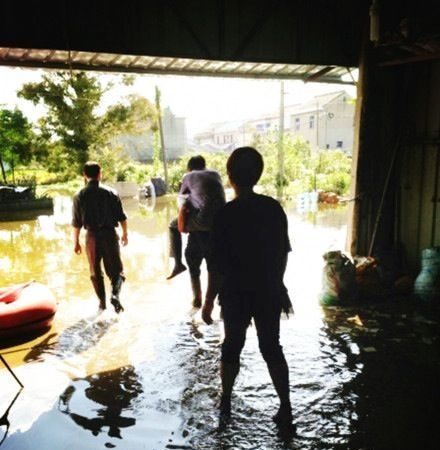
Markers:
point(250, 245)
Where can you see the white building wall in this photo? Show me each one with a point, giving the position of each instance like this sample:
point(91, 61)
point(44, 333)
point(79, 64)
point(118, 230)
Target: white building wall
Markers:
point(339, 125)
point(140, 147)
point(174, 131)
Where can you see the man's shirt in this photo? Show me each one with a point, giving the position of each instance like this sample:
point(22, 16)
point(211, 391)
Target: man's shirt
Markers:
point(96, 207)
point(205, 193)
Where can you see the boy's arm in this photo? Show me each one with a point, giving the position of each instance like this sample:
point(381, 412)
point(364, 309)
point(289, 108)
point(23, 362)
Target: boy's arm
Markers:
point(214, 283)
point(283, 265)
point(215, 275)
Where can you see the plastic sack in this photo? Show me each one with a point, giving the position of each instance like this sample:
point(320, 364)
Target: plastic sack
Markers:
point(338, 280)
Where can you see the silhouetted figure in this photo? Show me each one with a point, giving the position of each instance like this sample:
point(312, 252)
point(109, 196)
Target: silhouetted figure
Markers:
point(204, 196)
point(113, 393)
point(98, 209)
point(249, 256)
point(197, 249)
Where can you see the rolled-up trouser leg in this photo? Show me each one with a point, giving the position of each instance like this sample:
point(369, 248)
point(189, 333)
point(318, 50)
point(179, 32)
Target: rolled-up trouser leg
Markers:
point(116, 286)
point(94, 257)
point(98, 285)
point(175, 241)
point(197, 292)
point(109, 242)
point(194, 254)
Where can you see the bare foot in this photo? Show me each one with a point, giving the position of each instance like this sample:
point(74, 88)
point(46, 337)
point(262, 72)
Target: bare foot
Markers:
point(284, 420)
point(178, 268)
point(225, 411)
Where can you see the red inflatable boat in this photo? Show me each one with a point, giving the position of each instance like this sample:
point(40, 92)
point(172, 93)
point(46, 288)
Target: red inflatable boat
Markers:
point(25, 308)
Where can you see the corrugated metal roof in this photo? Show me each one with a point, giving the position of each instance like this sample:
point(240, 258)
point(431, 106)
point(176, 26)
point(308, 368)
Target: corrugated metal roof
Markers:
point(109, 62)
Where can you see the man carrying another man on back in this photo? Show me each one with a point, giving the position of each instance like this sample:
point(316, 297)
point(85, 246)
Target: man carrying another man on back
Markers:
point(205, 195)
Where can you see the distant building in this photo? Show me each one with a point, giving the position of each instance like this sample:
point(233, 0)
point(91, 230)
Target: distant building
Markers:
point(175, 136)
point(140, 146)
point(263, 125)
point(326, 122)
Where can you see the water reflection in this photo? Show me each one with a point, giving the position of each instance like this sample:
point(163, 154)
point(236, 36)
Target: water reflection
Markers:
point(77, 338)
point(112, 395)
point(148, 379)
point(323, 367)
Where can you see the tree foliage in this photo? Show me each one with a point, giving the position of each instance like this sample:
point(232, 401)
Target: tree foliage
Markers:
point(73, 124)
point(304, 170)
point(71, 100)
point(16, 140)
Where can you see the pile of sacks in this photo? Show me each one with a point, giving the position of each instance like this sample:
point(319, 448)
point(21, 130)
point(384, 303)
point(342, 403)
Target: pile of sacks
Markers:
point(347, 279)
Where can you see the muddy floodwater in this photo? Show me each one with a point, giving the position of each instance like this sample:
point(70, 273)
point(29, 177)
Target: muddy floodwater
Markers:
point(362, 377)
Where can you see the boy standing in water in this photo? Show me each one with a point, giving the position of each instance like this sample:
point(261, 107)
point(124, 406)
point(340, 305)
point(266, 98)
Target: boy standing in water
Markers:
point(98, 209)
point(249, 256)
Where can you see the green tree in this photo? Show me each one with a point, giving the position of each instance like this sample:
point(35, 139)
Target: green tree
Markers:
point(16, 138)
point(296, 161)
point(72, 120)
point(304, 170)
point(71, 100)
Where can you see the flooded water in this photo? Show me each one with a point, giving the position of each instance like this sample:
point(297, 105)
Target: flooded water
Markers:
point(362, 377)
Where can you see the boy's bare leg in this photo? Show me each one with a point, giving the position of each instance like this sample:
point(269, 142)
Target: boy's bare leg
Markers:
point(228, 374)
point(280, 378)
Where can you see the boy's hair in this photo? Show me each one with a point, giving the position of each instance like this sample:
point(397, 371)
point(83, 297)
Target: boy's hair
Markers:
point(196, 163)
point(245, 166)
point(92, 169)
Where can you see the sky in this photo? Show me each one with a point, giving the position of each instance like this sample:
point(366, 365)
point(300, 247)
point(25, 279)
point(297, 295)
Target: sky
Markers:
point(201, 100)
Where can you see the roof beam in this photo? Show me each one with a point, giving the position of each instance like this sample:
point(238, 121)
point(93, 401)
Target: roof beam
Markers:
point(173, 6)
point(319, 74)
point(76, 60)
point(258, 25)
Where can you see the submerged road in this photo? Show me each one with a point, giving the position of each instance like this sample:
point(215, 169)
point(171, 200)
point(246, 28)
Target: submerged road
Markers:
point(362, 377)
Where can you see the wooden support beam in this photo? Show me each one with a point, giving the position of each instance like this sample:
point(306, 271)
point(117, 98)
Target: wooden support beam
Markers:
point(319, 74)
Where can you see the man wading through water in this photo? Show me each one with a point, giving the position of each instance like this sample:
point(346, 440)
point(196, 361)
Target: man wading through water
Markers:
point(204, 193)
point(98, 209)
point(249, 255)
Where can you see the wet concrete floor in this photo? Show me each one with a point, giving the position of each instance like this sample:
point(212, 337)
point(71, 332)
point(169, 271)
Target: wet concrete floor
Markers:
point(362, 377)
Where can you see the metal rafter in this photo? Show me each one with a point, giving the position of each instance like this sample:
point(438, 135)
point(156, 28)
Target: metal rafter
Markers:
point(319, 74)
point(82, 60)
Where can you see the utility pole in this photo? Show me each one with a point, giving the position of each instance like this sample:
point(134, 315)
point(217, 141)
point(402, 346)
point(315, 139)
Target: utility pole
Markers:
point(318, 167)
point(162, 143)
point(280, 177)
point(317, 126)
